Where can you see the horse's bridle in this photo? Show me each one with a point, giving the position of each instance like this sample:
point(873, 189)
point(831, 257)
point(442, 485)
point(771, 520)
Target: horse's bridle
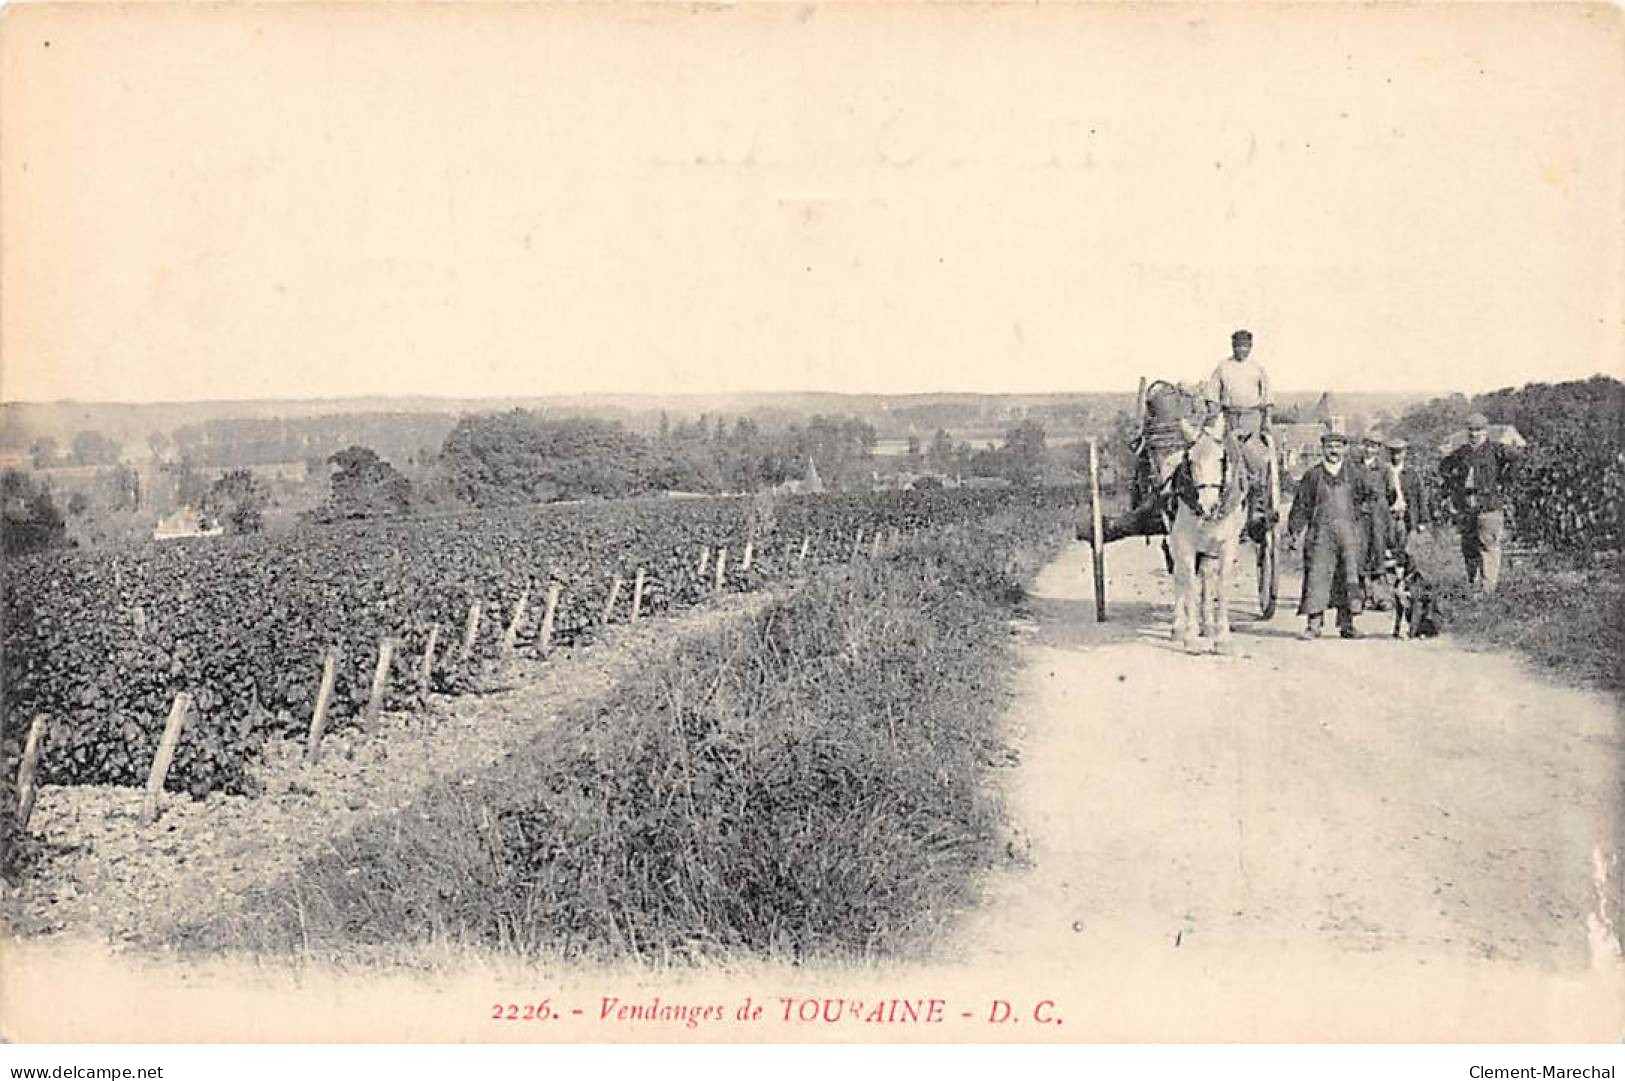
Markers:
point(1191, 495)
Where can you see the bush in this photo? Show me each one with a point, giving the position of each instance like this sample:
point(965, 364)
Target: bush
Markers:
point(1565, 612)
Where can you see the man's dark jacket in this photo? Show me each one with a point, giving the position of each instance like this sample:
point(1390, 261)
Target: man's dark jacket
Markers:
point(1490, 466)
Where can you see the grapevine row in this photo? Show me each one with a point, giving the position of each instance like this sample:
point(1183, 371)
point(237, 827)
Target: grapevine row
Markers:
point(102, 643)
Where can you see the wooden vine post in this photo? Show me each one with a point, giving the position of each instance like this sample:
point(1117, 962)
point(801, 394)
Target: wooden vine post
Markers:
point(1098, 547)
point(140, 617)
point(806, 542)
point(544, 637)
point(744, 560)
point(380, 681)
point(426, 666)
point(614, 595)
point(705, 558)
point(637, 595)
point(875, 545)
point(26, 788)
point(470, 632)
point(510, 637)
point(324, 694)
point(857, 543)
point(722, 567)
point(165, 755)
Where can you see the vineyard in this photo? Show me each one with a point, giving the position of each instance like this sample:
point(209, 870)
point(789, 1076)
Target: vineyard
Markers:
point(1572, 498)
point(101, 644)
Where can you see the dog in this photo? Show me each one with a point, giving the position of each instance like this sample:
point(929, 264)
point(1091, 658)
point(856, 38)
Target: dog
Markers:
point(1416, 607)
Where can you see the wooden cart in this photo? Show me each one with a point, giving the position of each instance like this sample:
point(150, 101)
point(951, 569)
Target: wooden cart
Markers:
point(1264, 534)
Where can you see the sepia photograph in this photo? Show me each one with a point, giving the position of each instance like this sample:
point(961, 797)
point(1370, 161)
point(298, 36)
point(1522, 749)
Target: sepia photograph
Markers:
point(828, 523)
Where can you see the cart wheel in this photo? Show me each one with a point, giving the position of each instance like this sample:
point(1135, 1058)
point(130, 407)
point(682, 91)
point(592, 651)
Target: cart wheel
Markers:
point(1269, 574)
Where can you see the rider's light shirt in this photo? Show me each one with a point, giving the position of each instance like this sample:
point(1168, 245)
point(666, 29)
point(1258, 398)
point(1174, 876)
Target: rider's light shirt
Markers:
point(1238, 384)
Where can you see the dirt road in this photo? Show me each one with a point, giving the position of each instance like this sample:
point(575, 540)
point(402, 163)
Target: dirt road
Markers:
point(1231, 832)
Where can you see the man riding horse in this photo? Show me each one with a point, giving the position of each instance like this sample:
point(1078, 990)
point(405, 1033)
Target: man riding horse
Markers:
point(1234, 402)
point(1239, 388)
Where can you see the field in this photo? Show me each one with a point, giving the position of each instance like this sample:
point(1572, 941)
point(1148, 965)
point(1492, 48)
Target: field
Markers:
point(101, 644)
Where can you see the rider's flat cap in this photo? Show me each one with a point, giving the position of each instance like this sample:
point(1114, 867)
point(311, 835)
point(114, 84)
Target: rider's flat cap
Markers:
point(1242, 336)
point(1478, 420)
point(1397, 443)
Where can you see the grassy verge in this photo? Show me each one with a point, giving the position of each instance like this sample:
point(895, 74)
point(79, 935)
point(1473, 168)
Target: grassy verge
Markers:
point(810, 781)
point(1565, 614)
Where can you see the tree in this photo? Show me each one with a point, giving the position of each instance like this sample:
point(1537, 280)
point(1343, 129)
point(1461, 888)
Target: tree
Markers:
point(1023, 452)
point(158, 443)
point(505, 459)
point(365, 486)
point(94, 448)
point(43, 452)
point(238, 499)
point(119, 488)
point(190, 485)
point(29, 519)
point(941, 454)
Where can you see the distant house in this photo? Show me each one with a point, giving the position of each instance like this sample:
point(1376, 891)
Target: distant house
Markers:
point(810, 484)
point(1327, 410)
point(186, 522)
point(904, 481)
point(1299, 445)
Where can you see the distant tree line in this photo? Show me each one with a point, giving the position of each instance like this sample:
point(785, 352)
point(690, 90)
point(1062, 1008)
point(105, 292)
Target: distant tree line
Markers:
point(87, 449)
point(523, 457)
point(246, 441)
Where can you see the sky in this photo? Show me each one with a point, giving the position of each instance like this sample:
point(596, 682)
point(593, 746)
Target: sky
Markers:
point(331, 201)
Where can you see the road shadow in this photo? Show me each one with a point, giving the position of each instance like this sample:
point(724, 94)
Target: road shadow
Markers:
point(1069, 623)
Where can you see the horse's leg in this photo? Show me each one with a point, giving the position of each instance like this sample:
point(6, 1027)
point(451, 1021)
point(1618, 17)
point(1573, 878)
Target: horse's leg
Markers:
point(1181, 558)
point(1204, 578)
point(1226, 560)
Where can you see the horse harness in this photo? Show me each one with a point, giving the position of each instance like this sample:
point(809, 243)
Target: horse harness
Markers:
point(1188, 492)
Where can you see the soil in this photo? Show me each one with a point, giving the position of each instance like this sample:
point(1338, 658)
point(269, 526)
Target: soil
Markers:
point(1365, 806)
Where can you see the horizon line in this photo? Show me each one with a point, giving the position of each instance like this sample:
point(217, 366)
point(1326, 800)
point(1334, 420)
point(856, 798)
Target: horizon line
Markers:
point(339, 399)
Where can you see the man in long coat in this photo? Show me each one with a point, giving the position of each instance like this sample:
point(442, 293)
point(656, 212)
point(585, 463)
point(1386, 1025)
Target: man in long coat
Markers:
point(1374, 519)
point(1329, 503)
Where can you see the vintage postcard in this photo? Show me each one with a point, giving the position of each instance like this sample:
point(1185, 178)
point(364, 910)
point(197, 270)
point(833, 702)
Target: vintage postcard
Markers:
point(812, 523)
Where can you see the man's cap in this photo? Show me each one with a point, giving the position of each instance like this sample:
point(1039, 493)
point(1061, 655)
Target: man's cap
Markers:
point(1334, 432)
point(1374, 435)
point(1242, 336)
point(1477, 420)
point(1396, 443)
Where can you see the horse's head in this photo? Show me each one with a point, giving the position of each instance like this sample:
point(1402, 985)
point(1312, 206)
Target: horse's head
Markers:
point(1209, 471)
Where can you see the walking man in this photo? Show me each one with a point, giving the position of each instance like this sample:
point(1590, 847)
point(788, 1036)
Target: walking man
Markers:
point(1329, 504)
point(1476, 478)
point(1240, 388)
point(1374, 541)
point(1403, 495)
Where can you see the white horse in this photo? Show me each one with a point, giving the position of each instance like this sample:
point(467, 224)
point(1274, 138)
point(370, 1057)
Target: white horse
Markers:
point(1210, 491)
